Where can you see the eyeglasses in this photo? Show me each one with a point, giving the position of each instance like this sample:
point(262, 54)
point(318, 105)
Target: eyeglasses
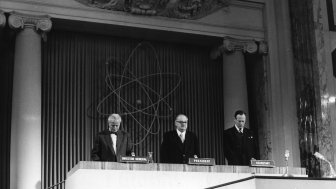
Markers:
point(182, 122)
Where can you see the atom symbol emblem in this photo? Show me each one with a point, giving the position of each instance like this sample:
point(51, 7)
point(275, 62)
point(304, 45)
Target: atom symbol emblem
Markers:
point(137, 88)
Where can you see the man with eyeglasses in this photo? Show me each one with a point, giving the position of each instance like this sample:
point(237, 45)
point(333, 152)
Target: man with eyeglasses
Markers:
point(112, 143)
point(239, 142)
point(179, 144)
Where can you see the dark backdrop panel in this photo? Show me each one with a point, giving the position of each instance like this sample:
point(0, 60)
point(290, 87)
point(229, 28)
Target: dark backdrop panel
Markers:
point(7, 41)
point(86, 77)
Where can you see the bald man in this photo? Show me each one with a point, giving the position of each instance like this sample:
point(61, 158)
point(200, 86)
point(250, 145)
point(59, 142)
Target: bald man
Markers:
point(112, 143)
point(179, 144)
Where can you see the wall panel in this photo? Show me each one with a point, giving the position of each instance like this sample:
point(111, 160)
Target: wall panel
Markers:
point(86, 77)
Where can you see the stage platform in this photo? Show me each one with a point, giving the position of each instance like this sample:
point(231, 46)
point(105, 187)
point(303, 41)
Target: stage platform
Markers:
point(106, 175)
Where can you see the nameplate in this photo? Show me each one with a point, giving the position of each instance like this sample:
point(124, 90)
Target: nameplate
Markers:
point(133, 159)
point(262, 163)
point(201, 161)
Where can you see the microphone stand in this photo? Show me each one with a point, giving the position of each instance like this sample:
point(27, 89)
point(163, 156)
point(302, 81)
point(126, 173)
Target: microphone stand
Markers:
point(286, 174)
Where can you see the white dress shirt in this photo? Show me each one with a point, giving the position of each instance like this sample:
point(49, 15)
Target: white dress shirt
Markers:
point(242, 129)
point(114, 142)
point(181, 135)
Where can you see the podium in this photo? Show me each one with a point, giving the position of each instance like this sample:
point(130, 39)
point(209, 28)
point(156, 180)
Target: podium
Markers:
point(106, 175)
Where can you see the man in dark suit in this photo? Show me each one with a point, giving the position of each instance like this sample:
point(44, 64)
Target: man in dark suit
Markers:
point(179, 145)
point(239, 142)
point(112, 143)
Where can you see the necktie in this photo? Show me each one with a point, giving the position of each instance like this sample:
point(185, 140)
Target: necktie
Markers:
point(181, 137)
point(240, 130)
point(111, 132)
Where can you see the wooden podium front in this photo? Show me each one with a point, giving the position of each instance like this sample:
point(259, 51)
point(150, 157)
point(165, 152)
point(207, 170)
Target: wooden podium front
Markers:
point(106, 175)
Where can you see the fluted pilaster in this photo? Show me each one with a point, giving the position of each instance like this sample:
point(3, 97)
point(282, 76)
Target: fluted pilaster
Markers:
point(26, 138)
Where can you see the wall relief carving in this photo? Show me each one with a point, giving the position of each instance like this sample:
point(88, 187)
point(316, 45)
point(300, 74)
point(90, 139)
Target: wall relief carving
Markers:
point(182, 9)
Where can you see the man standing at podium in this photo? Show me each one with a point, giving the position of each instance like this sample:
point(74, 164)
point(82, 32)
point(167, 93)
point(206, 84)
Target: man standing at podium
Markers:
point(179, 144)
point(112, 143)
point(239, 144)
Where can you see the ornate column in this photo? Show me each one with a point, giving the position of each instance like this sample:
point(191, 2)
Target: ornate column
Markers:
point(26, 103)
point(238, 56)
point(234, 75)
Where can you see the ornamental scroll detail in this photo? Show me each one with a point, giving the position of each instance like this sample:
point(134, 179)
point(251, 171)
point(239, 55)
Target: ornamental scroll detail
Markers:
point(182, 9)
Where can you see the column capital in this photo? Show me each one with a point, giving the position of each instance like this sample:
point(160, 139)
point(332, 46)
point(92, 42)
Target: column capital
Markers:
point(2, 19)
point(40, 23)
point(244, 45)
point(232, 44)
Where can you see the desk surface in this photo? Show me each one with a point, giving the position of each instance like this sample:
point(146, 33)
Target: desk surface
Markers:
point(105, 175)
point(185, 168)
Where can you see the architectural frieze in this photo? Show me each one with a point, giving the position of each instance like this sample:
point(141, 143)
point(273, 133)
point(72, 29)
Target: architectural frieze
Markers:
point(184, 9)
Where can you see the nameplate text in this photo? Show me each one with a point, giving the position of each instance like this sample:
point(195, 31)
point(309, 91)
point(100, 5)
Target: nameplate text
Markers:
point(201, 161)
point(133, 159)
point(262, 163)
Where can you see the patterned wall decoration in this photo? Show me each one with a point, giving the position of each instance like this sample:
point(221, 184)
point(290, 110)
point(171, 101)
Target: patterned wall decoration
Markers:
point(149, 86)
point(86, 77)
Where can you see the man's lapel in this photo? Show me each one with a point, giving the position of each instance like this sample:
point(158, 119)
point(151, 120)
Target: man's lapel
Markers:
point(108, 140)
point(120, 137)
point(187, 138)
point(178, 141)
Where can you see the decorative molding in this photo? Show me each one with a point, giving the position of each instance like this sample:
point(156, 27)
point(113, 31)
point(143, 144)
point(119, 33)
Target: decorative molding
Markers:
point(263, 47)
point(74, 12)
point(231, 45)
point(20, 21)
point(2, 19)
point(183, 9)
point(246, 46)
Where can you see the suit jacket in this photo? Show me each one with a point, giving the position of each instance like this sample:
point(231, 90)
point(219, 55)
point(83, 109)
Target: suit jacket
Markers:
point(174, 151)
point(239, 148)
point(103, 148)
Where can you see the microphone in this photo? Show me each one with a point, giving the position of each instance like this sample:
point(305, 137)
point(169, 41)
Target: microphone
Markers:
point(286, 174)
point(332, 173)
point(286, 155)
